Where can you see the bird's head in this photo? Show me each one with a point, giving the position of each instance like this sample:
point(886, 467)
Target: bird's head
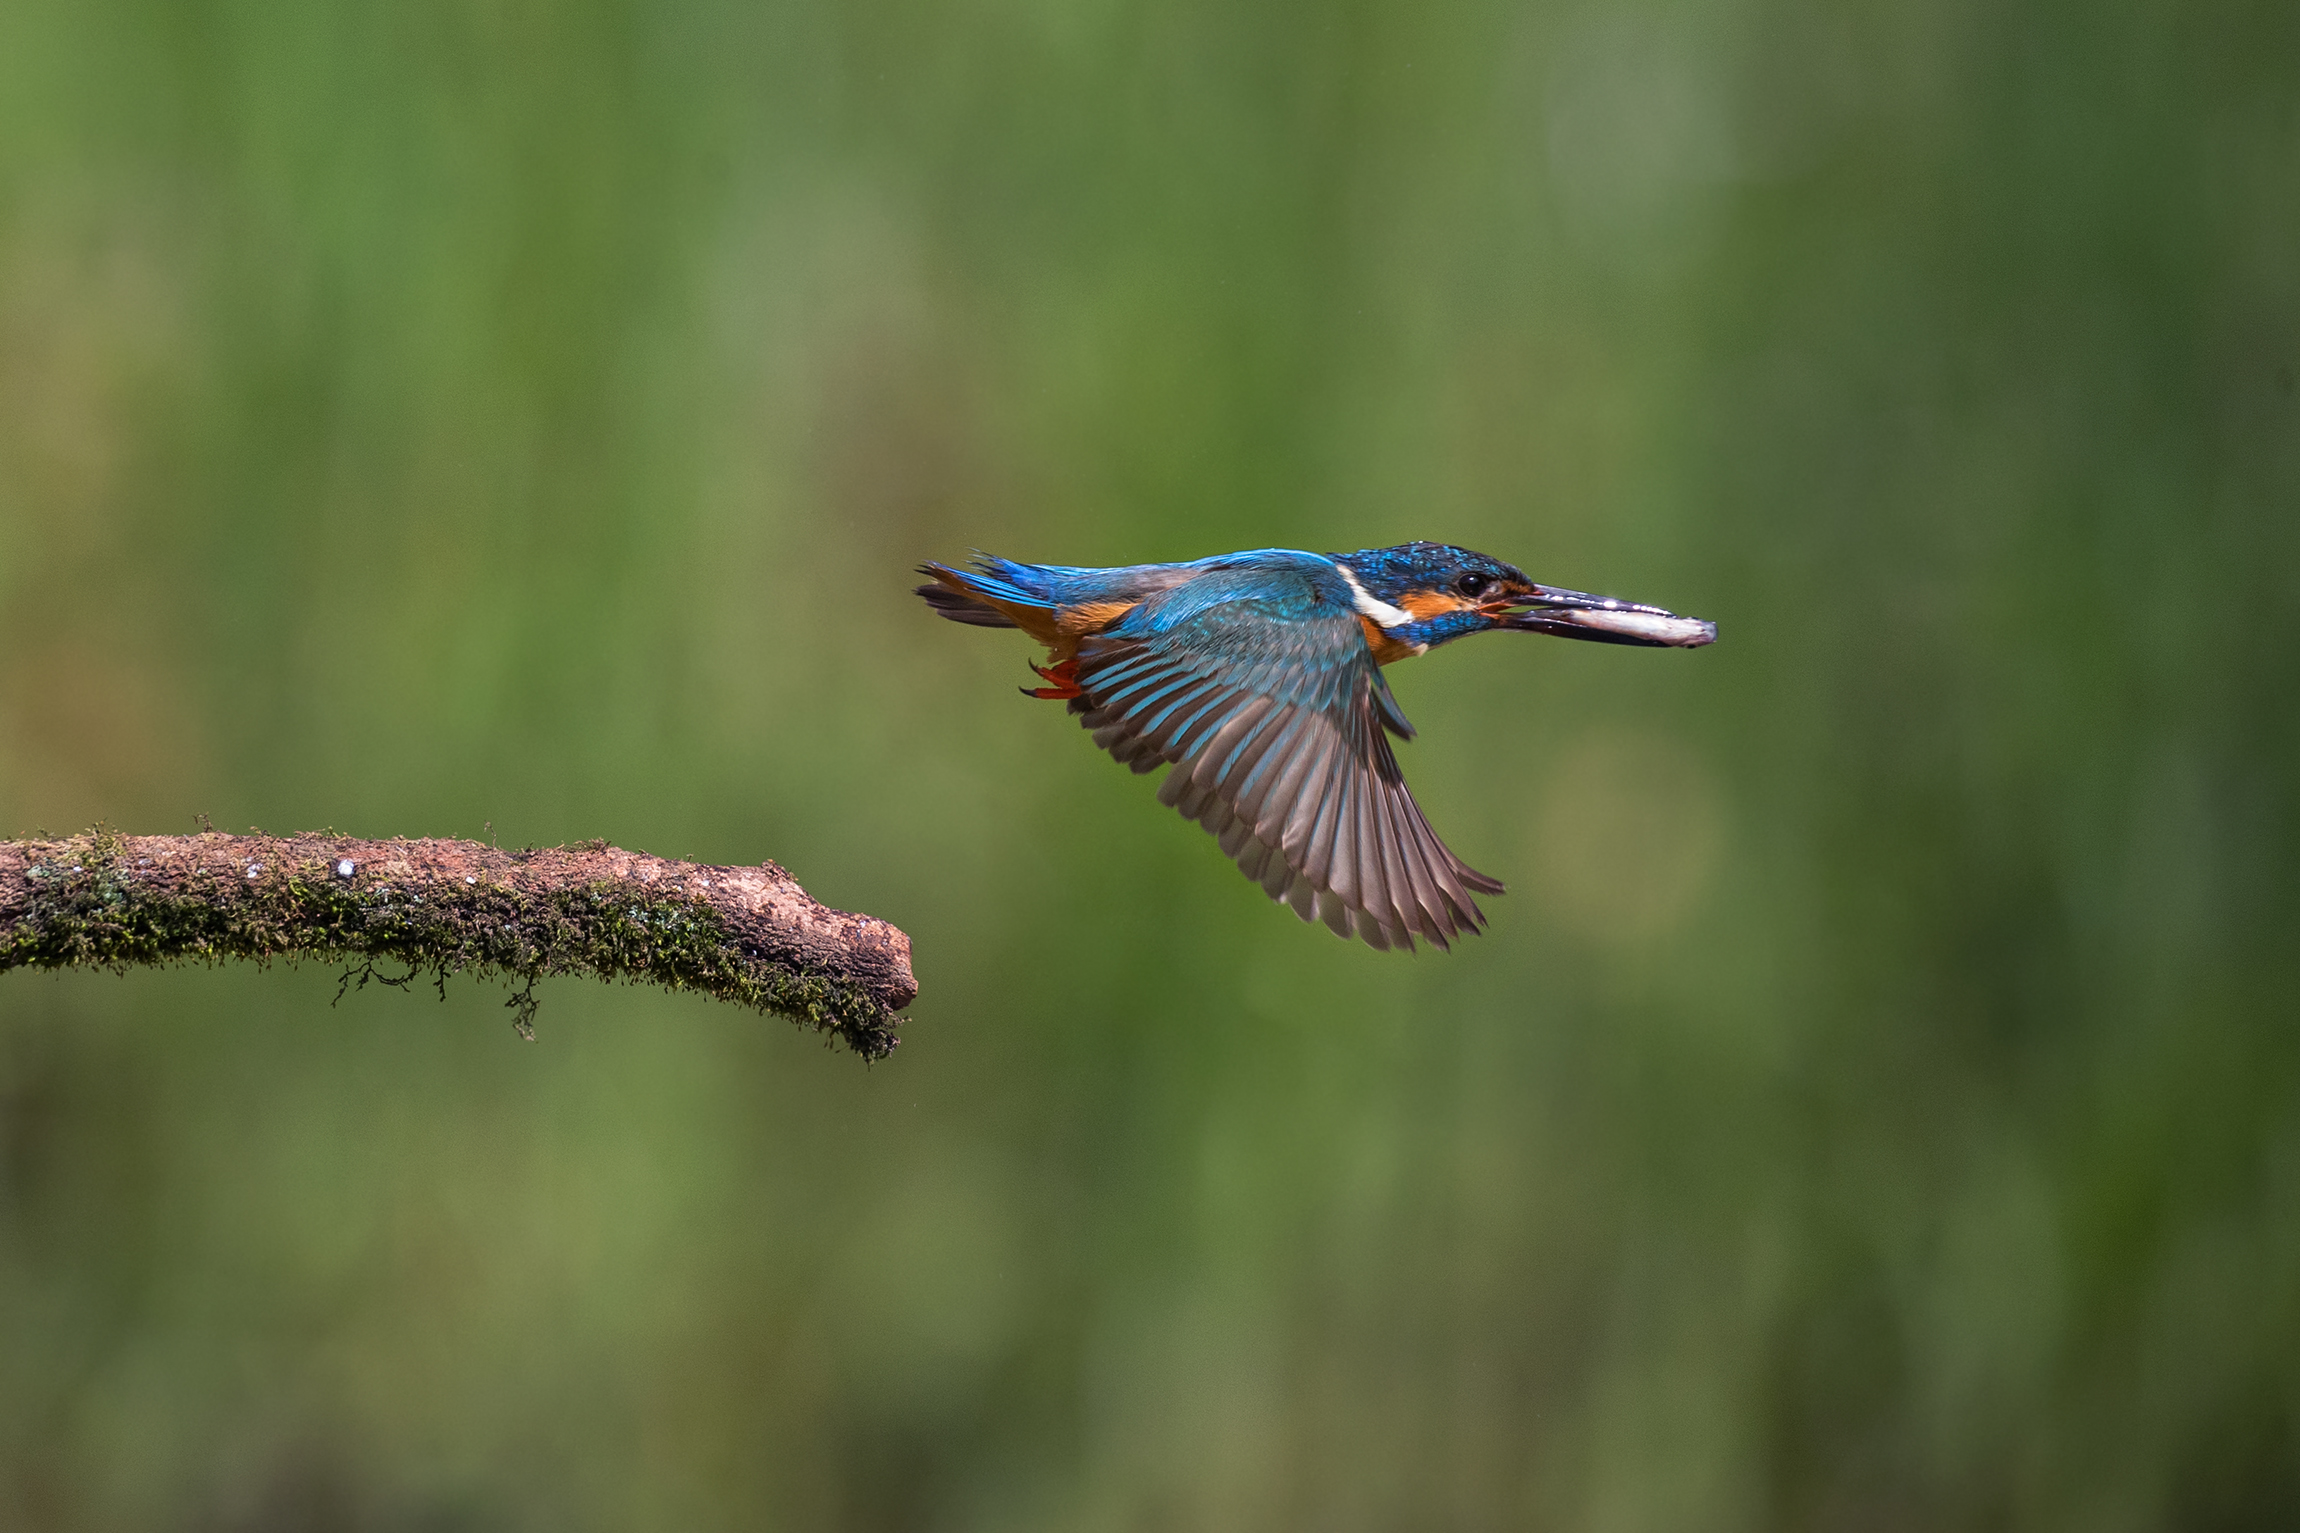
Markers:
point(1420, 595)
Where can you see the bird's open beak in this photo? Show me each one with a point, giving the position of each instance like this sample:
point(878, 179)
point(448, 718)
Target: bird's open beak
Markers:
point(1605, 619)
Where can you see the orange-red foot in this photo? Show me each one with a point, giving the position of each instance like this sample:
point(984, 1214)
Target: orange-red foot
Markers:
point(1064, 677)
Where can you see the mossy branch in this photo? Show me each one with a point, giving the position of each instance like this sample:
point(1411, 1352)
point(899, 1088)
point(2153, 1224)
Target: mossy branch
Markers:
point(747, 935)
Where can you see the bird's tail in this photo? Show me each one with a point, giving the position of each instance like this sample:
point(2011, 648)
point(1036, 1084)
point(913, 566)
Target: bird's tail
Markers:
point(986, 596)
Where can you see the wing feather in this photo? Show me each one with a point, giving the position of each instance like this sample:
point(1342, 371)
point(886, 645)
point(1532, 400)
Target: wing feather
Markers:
point(1404, 909)
point(1332, 841)
point(1357, 850)
point(1264, 771)
point(1377, 858)
point(1277, 731)
point(1419, 902)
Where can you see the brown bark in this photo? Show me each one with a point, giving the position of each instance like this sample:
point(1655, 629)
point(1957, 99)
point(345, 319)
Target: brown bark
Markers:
point(745, 934)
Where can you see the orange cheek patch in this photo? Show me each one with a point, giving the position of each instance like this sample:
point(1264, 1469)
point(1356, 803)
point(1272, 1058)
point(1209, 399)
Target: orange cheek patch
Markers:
point(1425, 605)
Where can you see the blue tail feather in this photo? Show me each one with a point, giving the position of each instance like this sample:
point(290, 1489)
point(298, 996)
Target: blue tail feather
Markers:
point(960, 594)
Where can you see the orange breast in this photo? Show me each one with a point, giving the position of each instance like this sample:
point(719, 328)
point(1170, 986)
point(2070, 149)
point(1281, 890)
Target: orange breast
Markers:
point(1387, 650)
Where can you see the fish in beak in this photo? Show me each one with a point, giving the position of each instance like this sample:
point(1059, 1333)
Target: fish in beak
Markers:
point(1603, 619)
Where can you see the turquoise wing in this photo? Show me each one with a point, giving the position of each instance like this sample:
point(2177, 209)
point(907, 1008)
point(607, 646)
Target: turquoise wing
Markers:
point(1262, 694)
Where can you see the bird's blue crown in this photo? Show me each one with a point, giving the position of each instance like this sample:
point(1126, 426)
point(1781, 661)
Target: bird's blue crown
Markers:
point(1390, 574)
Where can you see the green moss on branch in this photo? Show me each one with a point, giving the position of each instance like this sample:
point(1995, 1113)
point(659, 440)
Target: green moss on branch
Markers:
point(746, 935)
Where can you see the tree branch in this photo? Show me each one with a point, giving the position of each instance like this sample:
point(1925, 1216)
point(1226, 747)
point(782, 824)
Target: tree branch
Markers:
point(747, 935)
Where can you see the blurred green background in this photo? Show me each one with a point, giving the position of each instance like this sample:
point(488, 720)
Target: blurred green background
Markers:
point(1876, 1106)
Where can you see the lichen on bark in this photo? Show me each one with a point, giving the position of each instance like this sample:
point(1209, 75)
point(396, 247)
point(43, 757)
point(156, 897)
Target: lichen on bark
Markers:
point(749, 935)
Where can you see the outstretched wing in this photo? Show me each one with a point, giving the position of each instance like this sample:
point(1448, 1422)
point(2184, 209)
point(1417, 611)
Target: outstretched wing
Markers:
point(1272, 711)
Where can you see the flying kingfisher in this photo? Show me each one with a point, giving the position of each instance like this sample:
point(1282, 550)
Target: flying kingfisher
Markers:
point(1259, 677)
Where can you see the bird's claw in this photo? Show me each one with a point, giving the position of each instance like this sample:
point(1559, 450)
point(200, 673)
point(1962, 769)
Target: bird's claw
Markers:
point(1064, 677)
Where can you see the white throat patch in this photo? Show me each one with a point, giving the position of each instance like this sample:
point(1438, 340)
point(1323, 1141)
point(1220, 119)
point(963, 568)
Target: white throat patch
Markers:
point(1380, 611)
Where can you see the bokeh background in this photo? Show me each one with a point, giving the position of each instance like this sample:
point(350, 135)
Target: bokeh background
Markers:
point(1876, 1106)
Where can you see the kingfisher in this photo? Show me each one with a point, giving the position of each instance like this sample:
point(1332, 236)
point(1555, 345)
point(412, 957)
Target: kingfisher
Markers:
point(1258, 677)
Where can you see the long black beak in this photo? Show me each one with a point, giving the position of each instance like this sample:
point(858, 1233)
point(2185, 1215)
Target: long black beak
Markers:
point(1604, 619)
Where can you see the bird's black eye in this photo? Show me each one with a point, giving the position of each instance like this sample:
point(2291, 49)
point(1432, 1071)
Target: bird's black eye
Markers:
point(1470, 585)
